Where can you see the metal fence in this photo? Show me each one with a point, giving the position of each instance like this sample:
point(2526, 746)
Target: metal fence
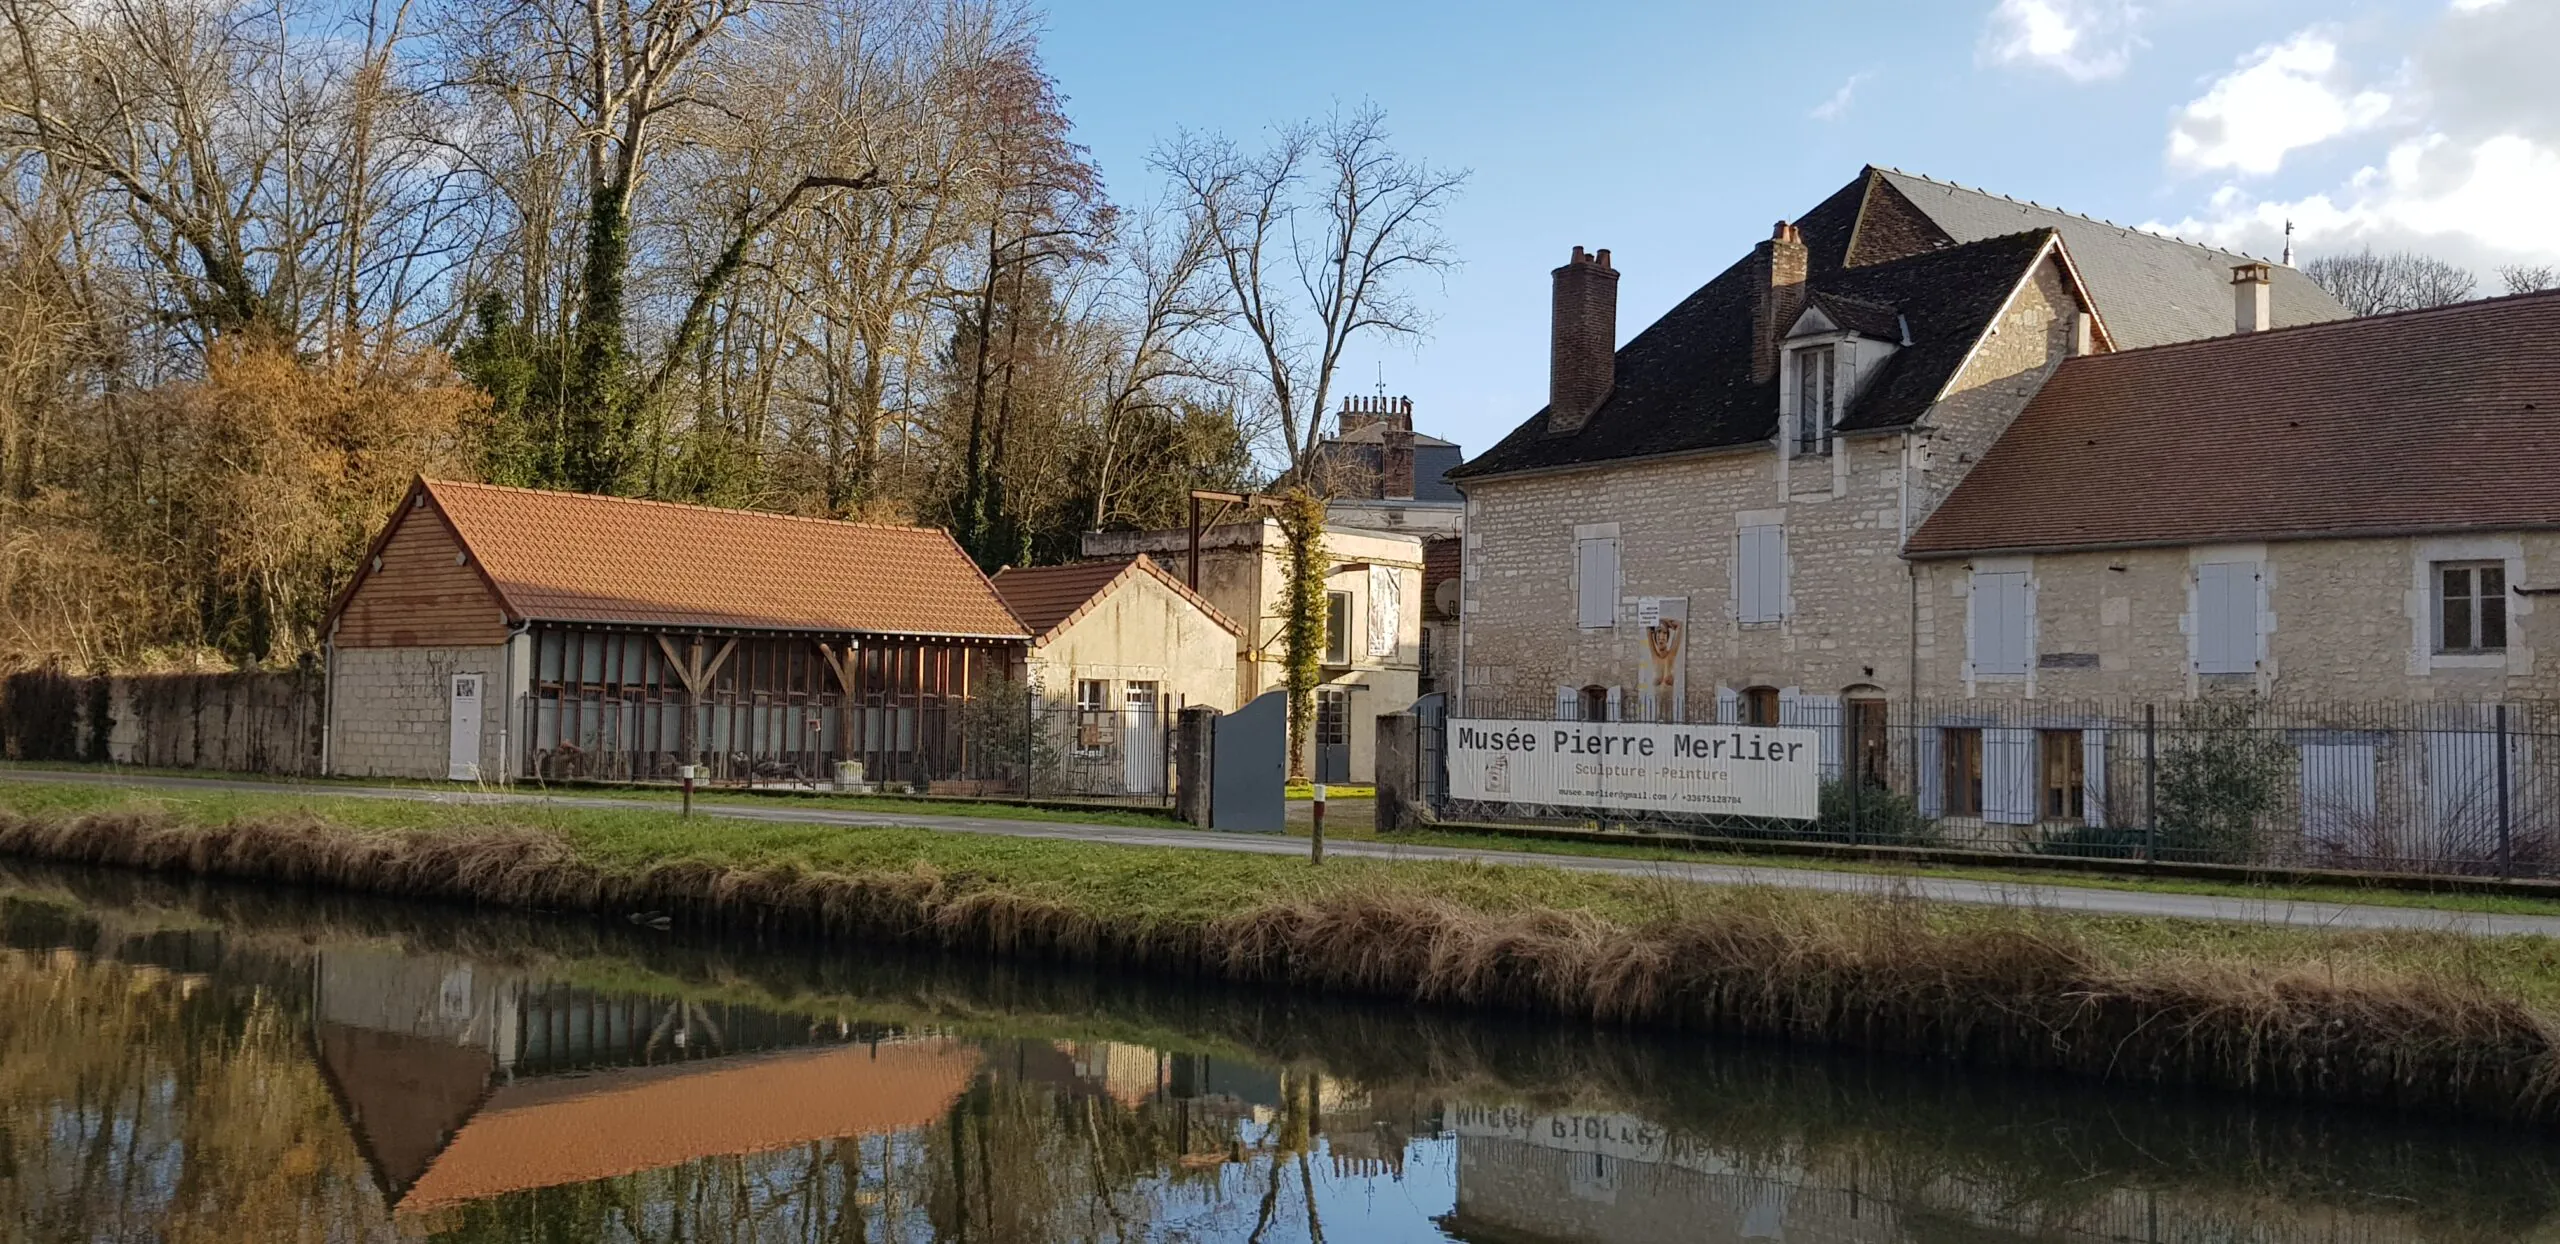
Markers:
point(2447, 788)
point(1013, 744)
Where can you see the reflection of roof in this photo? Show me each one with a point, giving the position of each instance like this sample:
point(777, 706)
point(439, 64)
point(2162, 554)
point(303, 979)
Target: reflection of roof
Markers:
point(1048, 598)
point(402, 1094)
point(555, 1131)
point(570, 557)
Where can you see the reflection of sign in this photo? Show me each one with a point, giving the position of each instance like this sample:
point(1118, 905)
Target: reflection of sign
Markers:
point(1386, 610)
point(1726, 770)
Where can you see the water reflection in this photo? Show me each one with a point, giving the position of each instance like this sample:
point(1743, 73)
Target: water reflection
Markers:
point(211, 1063)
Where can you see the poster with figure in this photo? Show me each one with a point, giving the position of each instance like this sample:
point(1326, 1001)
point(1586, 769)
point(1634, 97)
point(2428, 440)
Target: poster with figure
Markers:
point(1386, 610)
point(1664, 685)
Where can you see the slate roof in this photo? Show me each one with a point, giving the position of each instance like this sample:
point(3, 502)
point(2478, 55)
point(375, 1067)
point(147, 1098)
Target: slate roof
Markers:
point(1685, 383)
point(2441, 420)
point(572, 557)
point(2150, 289)
point(1049, 598)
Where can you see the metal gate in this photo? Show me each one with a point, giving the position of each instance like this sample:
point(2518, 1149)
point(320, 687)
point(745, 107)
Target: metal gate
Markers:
point(1249, 766)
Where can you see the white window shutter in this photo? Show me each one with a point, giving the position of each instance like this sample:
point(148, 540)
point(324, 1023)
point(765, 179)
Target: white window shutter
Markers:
point(1773, 569)
point(1929, 772)
point(2093, 775)
point(2219, 631)
point(1760, 573)
point(1615, 708)
point(1728, 706)
point(1596, 582)
point(1822, 713)
point(1568, 704)
point(2002, 612)
point(2009, 776)
point(1746, 576)
point(2337, 790)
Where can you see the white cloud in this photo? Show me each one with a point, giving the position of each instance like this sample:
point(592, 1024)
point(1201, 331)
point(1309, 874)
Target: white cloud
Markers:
point(2282, 97)
point(2083, 40)
point(2464, 167)
point(1837, 106)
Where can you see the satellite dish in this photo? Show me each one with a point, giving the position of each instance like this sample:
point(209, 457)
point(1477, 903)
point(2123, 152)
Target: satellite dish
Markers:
point(1445, 598)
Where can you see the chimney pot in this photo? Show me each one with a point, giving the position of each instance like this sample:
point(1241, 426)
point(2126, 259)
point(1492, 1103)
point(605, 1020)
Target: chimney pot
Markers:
point(1582, 359)
point(2251, 284)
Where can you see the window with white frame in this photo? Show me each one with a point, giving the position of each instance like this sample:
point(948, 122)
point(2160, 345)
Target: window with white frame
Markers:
point(1337, 628)
point(1595, 561)
point(2471, 607)
point(1760, 574)
point(1093, 714)
point(1817, 398)
point(2227, 617)
point(2001, 623)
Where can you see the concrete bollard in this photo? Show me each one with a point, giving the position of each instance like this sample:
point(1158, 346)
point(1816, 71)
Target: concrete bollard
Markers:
point(1191, 764)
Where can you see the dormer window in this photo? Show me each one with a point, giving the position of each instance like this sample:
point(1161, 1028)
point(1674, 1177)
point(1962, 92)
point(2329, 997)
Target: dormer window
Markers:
point(1817, 399)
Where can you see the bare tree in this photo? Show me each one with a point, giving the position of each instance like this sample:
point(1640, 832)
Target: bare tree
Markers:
point(2366, 283)
point(1317, 237)
point(2530, 278)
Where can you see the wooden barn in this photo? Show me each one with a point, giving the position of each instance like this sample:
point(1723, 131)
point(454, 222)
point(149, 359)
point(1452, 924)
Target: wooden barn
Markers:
point(500, 634)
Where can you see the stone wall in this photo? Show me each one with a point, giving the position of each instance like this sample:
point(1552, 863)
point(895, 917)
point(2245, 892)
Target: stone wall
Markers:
point(391, 713)
point(2349, 619)
point(1851, 601)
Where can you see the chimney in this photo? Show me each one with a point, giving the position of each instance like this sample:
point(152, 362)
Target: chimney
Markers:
point(1582, 362)
point(1776, 299)
point(2249, 287)
point(1395, 464)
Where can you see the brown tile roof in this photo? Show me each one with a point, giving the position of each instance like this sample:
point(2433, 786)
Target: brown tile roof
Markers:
point(571, 557)
point(545, 1133)
point(1048, 598)
point(2438, 420)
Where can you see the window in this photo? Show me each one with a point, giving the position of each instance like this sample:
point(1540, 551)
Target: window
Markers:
point(1760, 706)
point(2065, 784)
point(1962, 749)
point(1595, 580)
point(2226, 622)
point(2471, 607)
point(1333, 717)
point(1428, 683)
point(1337, 628)
point(2001, 622)
point(1760, 574)
point(1816, 399)
point(1594, 703)
point(1093, 714)
point(1866, 725)
point(1141, 700)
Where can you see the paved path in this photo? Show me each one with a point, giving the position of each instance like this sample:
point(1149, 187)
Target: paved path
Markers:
point(2069, 898)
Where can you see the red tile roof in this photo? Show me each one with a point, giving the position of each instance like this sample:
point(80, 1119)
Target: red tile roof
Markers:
point(571, 557)
point(2439, 420)
point(1048, 598)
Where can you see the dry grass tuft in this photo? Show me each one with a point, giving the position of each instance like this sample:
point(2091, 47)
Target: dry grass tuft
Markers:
point(1888, 974)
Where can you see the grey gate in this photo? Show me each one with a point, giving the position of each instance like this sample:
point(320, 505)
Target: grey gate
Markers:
point(1431, 717)
point(1249, 766)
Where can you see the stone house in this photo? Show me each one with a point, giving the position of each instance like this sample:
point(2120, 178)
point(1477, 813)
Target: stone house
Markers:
point(1118, 648)
point(498, 633)
point(1373, 658)
point(2329, 515)
point(1709, 520)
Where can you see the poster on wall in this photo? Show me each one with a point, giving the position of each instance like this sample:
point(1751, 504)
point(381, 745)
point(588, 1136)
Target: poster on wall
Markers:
point(1764, 771)
point(1663, 686)
point(1386, 609)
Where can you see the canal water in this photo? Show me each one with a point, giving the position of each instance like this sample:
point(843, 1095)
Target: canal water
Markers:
point(217, 1063)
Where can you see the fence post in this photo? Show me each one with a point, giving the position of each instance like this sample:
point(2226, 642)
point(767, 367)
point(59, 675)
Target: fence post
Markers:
point(2506, 822)
point(1030, 738)
point(2151, 783)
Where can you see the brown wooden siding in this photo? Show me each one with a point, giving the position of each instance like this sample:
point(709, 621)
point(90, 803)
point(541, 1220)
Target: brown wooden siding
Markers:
point(422, 597)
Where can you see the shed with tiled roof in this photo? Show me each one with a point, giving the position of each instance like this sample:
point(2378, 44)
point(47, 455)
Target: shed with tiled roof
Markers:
point(497, 633)
point(1119, 645)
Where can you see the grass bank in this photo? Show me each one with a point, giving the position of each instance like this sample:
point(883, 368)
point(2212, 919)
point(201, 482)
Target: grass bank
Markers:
point(2416, 1020)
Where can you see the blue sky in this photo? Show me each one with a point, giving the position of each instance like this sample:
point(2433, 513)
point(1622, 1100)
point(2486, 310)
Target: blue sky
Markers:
point(1675, 133)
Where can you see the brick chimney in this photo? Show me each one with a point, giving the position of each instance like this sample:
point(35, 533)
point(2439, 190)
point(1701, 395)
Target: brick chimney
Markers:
point(1776, 298)
point(2250, 284)
point(1395, 463)
point(1582, 363)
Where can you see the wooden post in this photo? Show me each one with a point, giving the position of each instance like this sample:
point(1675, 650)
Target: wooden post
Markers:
point(696, 675)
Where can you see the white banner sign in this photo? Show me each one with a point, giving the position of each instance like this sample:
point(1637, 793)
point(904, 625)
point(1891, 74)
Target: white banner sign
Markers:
point(1639, 767)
